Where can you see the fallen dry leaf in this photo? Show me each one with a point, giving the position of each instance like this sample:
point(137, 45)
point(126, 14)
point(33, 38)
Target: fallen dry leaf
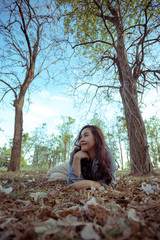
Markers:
point(88, 233)
point(37, 209)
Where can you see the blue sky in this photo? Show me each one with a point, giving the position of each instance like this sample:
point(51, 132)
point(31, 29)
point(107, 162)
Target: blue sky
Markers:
point(48, 106)
point(45, 108)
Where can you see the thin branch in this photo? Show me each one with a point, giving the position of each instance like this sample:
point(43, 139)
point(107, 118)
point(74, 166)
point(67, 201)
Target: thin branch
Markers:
point(92, 42)
point(151, 70)
point(7, 73)
point(25, 31)
point(9, 87)
point(1, 99)
point(104, 20)
point(97, 86)
point(155, 72)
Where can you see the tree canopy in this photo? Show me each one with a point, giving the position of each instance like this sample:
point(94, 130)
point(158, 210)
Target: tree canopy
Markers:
point(120, 38)
point(116, 40)
point(95, 27)
point(30, 46)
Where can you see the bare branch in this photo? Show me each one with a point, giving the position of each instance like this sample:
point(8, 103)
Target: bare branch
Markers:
point(104, 20)
point(155, 73)
point(10, 87)
point(7, 73)
point(140, 54)
point(97, 86)
point(91, 42)
point(24, 30)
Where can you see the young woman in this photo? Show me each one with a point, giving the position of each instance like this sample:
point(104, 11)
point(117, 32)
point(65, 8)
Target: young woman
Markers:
point(92, 163)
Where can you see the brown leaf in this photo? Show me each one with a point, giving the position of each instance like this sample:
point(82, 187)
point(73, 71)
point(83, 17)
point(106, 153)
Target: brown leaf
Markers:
point(28, 234)
point(45, 213)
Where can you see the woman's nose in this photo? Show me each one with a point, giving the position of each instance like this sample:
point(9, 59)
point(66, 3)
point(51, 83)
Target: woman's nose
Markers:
point(82, 139)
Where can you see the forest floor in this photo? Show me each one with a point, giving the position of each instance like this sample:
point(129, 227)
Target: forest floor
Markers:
point(31, 208)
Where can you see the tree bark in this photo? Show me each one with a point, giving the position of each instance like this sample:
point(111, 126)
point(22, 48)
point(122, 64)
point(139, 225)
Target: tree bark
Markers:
point(139, 154)
point(140, 162)
point(17, 140)
point(18, 126)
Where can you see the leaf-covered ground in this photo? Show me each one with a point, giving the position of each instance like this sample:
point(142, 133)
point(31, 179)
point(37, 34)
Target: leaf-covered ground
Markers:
point(33, 208)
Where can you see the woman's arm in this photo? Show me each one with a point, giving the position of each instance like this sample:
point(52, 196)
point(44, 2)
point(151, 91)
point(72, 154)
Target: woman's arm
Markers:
point(76, 164)
point(74, 170)
point(84, 184)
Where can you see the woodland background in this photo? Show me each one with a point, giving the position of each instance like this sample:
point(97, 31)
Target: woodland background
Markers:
point(95, 51)
point(99, 49)
point(49, 150)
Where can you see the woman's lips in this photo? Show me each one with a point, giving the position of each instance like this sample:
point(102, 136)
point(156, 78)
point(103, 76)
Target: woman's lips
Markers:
point(83, 144)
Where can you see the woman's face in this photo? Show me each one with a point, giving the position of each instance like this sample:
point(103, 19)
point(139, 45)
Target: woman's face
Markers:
point(87, 140)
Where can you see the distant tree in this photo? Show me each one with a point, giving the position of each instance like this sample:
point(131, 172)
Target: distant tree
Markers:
point(66, 130)
point(41, 157)
point(106, 127)
point(5, 152)
point(96, 120)
point(30, 45)
point(153, 133)
point(39, 142)
point(50, 150)
point(119, 40)
point(27, 144)
point(55, 150)
point(122, 139)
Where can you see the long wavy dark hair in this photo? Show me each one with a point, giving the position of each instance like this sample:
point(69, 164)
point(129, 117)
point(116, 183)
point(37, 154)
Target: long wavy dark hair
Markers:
point(101, 155)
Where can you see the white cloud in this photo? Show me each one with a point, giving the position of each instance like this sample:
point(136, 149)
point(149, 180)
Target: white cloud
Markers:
point(47, 95)
point(59, 98)
point(41, 109)
point(44, 94)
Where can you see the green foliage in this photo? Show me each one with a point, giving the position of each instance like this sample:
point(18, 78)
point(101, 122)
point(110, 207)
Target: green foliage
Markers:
point(23, 162)
point(43, 150)
point(5, 153)
point(153, 129)
point(66, 136)
point(83, 20)
point(96, 120)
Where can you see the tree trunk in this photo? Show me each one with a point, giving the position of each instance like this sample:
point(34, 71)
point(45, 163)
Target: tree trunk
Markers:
point(121, 152)
point(139, 155)
point(49, 164)
point(17, 140)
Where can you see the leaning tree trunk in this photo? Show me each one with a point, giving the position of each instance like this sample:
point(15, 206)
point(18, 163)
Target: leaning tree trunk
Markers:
point(17, 140)
point(18, 126)
point(139, 154)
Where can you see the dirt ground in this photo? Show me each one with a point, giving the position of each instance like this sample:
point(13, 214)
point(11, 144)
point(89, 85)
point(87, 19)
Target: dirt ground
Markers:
point(33, 208)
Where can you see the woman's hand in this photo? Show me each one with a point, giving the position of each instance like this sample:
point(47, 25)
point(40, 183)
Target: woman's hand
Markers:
point(80, 154)
point(84, 184)
point(76, 165)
